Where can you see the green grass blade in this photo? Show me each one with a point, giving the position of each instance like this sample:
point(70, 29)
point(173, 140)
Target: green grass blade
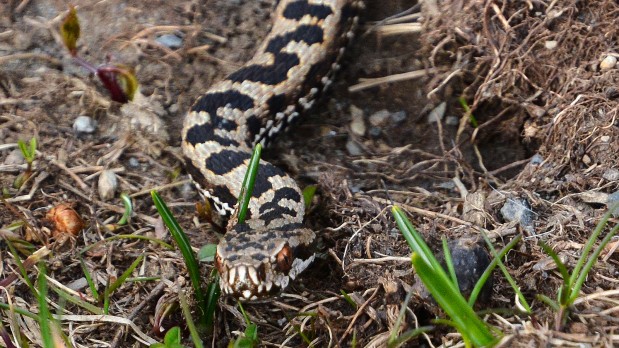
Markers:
point(348, 299)
point(248, 183)
point(592, 260)
point(550, 302)
point(45, 316)
point(195, 335)
point(120, 280)
point(590, 242)
point(75, 300)
point(413, 238)
point(212, 295)
point(128, 208)
point(506, 274)
point(127, 236)
point(564, 293)
point(454, 304)
point(20, 266)
point(449, 262)
point(495, 261)
point(410, 334)
point(91, 283)
point(182, 241)
point(463, 318)
point(308, 195)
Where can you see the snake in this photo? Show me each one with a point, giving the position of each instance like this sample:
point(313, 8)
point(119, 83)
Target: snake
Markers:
point(291, 68)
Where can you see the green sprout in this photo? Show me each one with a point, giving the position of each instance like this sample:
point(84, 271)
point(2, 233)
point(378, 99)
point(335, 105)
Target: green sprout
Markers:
point(29, 151)
point(443, 288)
point(572, 283)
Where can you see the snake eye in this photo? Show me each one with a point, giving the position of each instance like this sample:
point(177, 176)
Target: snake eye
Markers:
point(284, 259)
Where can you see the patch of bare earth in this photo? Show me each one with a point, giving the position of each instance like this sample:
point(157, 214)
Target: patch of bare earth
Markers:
point(391, 131)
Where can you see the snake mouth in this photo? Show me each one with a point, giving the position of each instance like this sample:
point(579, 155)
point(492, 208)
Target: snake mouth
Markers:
point(247, 282)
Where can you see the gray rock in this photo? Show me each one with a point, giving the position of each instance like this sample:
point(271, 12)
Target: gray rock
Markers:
point(517, 209)
point(170, 41)
point(452, 121)
point(375, 132)
point(134, 163)
point(15, 157)
point(378, 118)
point(398, 116)
point(353, 148)
point(611, 174)
point(537, 159)
point(613, 200)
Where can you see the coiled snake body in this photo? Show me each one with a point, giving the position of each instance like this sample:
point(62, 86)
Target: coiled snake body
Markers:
point(290, 69)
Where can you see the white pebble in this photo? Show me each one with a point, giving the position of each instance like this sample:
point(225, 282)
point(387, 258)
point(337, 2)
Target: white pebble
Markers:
point(357, 125)
point(551, 44)
point(84, 124)
point(437, 114)
point(108, 184)
point(608, 63)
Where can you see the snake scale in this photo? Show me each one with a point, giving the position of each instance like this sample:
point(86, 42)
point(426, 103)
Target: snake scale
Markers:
point(291, 68)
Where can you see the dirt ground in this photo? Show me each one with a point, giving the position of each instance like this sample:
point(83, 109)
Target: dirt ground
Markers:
point(537, 76)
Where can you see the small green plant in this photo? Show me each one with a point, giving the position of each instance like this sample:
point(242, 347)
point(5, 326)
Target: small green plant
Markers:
point(207, 300)
point(308, 195)
point(444, 289)
point(29, 151)
point(118, 80)
point(468, 112)
point(172, 339)
point(250, 336)
point(572, 283)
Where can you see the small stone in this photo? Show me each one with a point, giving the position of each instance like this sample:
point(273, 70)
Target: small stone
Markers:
point(516, 209)
point(170, 40)
point(108, 184)
point(357, 125)
point(537, 159)
point(133, 163)
point(551, 44)
point(437, 114)
point(586, 159)
point(15, 157)
point(353, 148)
point(378, 118)
point(375, 132)
point(452, 121)
point(608, 62)
point(613, 199)
point(84, 125)
point(604, 138)
point(611, 174)
point(398, 116)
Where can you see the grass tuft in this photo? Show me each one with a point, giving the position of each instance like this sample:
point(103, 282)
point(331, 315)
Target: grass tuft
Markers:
point(442, 287)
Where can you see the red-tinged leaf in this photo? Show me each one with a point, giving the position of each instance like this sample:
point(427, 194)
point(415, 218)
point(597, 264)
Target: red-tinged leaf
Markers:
point(128, 82)
point(70, 30)
point(119, 81)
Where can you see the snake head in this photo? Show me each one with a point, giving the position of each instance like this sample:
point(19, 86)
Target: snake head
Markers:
point(257, 263)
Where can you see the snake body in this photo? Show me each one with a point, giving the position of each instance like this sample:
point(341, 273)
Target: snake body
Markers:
point(291, 68)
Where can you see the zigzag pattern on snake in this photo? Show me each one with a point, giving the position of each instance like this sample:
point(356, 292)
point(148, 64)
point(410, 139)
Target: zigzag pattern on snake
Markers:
point(291, 68)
